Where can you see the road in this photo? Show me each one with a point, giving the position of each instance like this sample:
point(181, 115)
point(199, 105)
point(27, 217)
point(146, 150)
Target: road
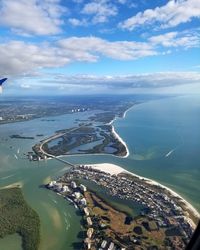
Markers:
point(52, 138)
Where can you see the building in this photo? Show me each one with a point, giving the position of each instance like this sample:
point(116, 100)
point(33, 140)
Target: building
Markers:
point(77, 195)
point(73, 184)
point(111, 246)
point(52, 184)
point(90, 232)
point(65, 189)
point(89, 221)
point(104, 243)
point(83, 202)
point(88, 243)
point(58, 187)
point(86, 211)
point(83, 188)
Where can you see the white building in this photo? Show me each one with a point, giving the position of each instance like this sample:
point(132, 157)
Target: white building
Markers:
point(77, 195)
point(65, 189)
point(86, 211)
point(111, 247)
point(83, 202)
point(90, 232)
point(52, 184)
point(89, 221)
point(73, 184)
point(104, 243)
point(83, 188)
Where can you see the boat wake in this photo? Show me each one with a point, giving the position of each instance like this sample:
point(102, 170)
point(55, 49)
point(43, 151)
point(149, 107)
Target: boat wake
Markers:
point(169, 153)
point(15, 156)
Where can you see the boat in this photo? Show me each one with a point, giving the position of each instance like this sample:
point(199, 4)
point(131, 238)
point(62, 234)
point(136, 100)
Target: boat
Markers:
point(169, 153)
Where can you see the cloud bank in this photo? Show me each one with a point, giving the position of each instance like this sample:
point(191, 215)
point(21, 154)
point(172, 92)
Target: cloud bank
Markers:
point(170, 15)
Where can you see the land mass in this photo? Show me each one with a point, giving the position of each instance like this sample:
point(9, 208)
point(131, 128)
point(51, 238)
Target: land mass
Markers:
point(83, 140)
point(24, 109)
point(165, 221)
point(96, 135)
point(21, 137)
point(16, 216)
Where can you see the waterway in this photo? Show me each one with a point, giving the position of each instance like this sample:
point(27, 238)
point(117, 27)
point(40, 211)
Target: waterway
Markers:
point(151, 130)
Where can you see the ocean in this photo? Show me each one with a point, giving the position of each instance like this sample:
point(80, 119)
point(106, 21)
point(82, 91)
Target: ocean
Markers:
point(163, 138)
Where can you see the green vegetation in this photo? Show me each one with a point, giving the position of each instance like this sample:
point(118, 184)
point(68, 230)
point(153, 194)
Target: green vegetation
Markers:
point(69, 142)
point(17, 217)
point(138, 233)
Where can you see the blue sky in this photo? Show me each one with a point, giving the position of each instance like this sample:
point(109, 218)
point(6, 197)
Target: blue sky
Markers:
point(100, 46)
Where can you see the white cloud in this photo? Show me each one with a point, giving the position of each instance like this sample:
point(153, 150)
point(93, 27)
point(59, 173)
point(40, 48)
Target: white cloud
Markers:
point(161, 82)
point(169, 15)
point(25, 86)
point(91, 48)
point(22, 58)
point(101, 10)
point(78, 1)
point(151, 80)
point(175, 39)
point(78, 22)
point(32, 16)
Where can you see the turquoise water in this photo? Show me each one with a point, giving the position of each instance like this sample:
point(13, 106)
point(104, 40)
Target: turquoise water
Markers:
point(151, 131)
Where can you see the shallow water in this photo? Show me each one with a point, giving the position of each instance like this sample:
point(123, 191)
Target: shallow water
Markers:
point(151, 130)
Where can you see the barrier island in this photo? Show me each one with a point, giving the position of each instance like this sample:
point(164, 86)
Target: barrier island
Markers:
point(165, 221)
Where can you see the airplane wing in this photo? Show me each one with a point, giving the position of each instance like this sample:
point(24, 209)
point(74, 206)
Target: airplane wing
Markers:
point(2, 81)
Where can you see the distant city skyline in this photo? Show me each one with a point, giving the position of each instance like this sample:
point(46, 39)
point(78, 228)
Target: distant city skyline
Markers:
point(100, 46)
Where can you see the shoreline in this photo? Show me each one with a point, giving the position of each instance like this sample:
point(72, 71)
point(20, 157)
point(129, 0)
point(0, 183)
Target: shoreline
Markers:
point(116, 135)
point(116, 169)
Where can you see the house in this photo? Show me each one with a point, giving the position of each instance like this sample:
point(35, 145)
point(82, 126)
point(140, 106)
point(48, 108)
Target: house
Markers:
point(90, 232)
point(111, 246)
point(89, 221)
point(83, 202)
point(65, 189)
point(104, 243)
point(86, 211)
point(83, 188)
point(77, 195)
point(73, 184)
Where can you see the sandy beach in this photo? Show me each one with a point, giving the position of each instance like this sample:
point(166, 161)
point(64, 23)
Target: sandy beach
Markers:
point(116, 135)
point(115, 170)
point(121, 140)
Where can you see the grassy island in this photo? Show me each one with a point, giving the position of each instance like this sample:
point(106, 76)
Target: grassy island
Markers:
point(16, 216)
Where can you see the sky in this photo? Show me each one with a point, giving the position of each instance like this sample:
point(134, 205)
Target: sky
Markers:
point(100, 47)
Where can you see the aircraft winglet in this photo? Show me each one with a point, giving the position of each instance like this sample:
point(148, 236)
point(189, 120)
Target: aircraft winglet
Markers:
point(2, 81)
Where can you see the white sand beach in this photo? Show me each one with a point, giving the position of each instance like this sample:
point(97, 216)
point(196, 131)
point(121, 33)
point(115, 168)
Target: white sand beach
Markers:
point(116, 135)
point(115, 170)
point(121, 140)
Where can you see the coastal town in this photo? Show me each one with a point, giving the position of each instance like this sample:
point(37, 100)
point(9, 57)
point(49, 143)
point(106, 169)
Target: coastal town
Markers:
point(162, 221)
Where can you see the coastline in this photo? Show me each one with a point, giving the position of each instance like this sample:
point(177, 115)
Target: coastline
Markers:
point(116, 169)
point(116, 135)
